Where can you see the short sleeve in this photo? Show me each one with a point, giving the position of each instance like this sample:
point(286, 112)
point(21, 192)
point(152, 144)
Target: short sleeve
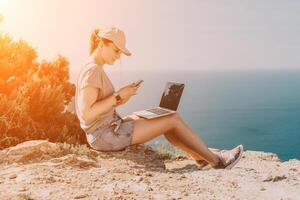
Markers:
point(92, 77)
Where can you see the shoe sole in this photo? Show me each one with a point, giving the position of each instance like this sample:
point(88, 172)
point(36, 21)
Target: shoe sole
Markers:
point(238, 158)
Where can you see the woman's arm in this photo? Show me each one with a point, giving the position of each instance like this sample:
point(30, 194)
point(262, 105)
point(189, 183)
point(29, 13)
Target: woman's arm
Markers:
point(90, 107)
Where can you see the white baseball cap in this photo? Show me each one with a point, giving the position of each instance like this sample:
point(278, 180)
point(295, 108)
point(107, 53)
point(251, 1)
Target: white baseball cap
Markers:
point(116, 36)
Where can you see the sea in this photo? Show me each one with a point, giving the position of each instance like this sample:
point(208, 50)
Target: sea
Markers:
point(257, 108)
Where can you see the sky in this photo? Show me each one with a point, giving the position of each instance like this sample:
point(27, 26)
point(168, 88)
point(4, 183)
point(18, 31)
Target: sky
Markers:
point(165, 35)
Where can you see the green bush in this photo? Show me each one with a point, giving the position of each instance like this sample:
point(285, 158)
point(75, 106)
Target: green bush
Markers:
point(34, 96)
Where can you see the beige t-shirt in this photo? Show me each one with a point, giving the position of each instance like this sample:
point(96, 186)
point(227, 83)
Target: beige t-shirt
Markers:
point(93, 75)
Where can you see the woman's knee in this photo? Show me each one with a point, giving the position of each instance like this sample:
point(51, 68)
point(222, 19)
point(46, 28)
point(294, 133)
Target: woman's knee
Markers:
point(175, 119)
point(145, 130)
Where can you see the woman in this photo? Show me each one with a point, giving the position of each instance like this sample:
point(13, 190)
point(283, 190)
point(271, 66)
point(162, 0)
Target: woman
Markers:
point(96, 100)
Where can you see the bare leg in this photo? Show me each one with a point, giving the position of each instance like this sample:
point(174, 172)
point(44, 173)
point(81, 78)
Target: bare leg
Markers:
point(145, 130)
point(172, 137)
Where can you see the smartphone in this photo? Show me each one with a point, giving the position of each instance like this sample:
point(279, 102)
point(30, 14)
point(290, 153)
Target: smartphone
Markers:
point(138, 82)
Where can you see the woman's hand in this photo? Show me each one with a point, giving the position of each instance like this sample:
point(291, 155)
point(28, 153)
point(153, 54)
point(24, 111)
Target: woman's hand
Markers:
point(127, 92)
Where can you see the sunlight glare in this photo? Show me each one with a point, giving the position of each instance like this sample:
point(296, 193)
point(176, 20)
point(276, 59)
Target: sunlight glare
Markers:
point(3, 7)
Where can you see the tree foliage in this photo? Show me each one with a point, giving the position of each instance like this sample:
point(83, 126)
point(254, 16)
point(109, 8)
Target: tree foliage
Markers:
point(34, 96)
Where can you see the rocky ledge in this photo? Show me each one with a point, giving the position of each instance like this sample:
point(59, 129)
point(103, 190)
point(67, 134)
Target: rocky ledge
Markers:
point(43, 170)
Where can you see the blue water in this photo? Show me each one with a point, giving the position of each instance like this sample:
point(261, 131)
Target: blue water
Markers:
point(259, 109)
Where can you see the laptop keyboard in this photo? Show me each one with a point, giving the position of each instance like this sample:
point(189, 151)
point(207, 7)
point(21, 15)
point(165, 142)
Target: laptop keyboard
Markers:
point(158, 111)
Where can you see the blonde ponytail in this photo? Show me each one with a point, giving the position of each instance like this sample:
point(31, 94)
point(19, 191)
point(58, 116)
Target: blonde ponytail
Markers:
point(94, 40)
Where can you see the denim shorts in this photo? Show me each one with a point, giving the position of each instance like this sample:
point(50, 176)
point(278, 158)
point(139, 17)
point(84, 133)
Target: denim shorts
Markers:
point(114, 134)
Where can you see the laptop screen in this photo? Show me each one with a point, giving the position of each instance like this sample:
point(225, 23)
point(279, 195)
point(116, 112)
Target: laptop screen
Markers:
point(171, 96)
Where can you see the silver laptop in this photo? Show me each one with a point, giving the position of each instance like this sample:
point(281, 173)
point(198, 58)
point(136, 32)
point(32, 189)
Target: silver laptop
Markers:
point(168, 103)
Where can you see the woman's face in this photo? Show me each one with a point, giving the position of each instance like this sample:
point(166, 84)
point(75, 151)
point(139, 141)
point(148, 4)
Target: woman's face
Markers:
point(110, 53)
